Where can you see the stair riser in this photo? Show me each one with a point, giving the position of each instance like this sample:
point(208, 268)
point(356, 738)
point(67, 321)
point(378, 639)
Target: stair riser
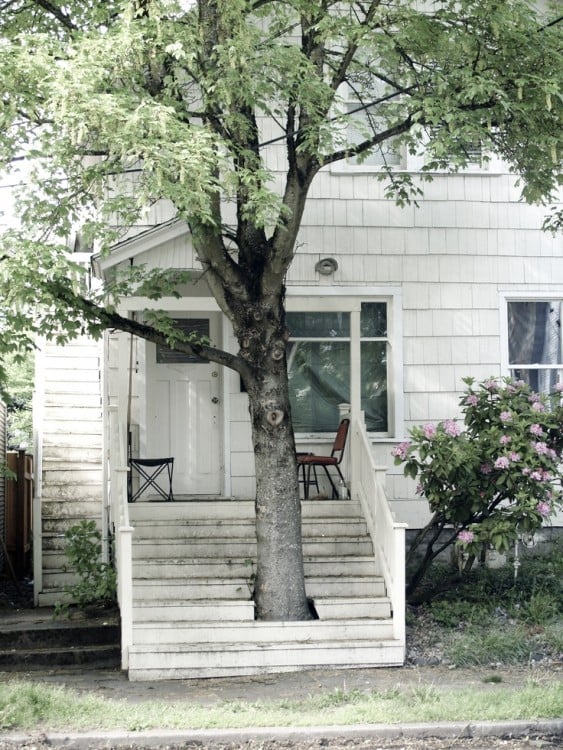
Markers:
point(199, 530)
point(177, 665)
point(59, 637)
point(240, 549)
point(239, 509)
point(106, 657)
point(210, 612)
point(205, 568)
point(217, 589)
point(173, 633)
point(353, 609)
point(193, 591)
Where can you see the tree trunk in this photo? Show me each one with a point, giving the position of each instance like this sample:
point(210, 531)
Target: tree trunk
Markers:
point(279, 592)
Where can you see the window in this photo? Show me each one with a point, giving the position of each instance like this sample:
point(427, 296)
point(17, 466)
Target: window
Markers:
point(196, 327)
point(363, 125)
point(534, 342)
point(472, 149)
point(320, 366)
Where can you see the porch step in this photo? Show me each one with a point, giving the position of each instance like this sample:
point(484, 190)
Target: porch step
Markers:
point(231, 509)
point(189, 568)
point(33, 640)
point(158, 614)
point(189, 529)
point(359, 607)
point(263, 648)
point(193, 566)
point(236, 588)
point(146, 549)
point(261, 633)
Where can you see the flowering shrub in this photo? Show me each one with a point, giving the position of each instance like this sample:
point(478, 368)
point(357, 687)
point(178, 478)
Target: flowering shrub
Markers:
point(495, 479)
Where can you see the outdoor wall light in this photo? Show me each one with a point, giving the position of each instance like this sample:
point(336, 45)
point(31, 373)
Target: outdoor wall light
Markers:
point(326, 266)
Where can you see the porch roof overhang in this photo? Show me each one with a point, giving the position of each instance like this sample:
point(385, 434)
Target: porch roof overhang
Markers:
point(131, 247)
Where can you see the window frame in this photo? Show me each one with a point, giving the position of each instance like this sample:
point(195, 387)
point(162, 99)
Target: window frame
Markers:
point(528, 296)
point(343, 299)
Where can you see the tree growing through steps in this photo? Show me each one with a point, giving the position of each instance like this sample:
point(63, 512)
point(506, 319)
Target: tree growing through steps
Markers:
point(121, 104)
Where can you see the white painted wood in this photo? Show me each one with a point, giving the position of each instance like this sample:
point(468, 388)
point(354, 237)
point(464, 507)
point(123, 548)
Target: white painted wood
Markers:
point(183, 420)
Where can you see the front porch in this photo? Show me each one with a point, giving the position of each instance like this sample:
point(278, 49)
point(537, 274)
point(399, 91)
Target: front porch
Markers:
point(186, 574)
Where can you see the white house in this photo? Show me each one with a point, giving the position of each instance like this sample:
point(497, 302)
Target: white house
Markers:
point(414, 299)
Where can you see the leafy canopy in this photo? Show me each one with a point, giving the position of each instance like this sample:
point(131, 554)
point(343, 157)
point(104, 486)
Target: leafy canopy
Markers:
point(226, 110)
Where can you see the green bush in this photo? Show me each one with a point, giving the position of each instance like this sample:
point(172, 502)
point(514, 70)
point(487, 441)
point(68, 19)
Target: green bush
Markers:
point(97, 580)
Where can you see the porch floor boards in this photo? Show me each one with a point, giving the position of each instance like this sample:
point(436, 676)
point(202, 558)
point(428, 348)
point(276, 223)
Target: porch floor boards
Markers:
point(193, 566)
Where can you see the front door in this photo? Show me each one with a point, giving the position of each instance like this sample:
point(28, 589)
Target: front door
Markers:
point(183, 412)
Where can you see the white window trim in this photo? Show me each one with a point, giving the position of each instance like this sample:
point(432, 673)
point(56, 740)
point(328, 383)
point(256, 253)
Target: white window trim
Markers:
point(349, 299)
point(414, 163)
point(529, 295)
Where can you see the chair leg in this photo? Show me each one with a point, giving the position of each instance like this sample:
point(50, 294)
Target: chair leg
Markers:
point(334, 489)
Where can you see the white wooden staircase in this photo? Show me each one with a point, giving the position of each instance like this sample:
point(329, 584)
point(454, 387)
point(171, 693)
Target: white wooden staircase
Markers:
point(192, 575)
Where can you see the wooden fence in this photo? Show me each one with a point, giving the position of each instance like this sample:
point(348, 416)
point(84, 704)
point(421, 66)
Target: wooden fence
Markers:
point(18, 520)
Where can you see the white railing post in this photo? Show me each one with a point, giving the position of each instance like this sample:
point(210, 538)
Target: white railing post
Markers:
point(388, 537)
point(118, 472)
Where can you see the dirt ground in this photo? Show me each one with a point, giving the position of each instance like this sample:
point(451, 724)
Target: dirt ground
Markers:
point(542, 742)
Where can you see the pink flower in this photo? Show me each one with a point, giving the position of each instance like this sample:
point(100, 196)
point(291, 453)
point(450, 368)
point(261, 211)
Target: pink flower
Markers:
point(505, 439)
point(465, 536)
point(451, 428)
point(502, 462)
point(558, 387)
point(534, 397)
point(490, 385)
point(472, 400)
point(505, 416)
point(514, 456)
point(543, 508)
point(401, 451)
point(537, 475)
point(536, 429)
point(542, 449)
point(419, 489)
point(486, 468)
point(429, 431)
point(538, 406)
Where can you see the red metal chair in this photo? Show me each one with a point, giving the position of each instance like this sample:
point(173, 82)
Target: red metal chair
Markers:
point(308, 462)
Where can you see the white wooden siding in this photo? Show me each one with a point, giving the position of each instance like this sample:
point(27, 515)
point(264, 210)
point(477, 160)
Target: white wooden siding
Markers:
point(469, 240)
point(70, 433)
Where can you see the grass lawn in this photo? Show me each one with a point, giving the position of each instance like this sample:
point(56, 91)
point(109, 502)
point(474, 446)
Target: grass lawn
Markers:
point(38, 706)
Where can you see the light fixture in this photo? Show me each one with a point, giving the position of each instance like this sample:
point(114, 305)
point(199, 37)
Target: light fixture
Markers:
point(326, 266)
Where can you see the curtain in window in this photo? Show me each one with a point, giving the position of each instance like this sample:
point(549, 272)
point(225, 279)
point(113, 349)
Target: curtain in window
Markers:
point(534, 338)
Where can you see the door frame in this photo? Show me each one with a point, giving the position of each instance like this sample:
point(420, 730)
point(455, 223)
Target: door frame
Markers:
point(222, 329)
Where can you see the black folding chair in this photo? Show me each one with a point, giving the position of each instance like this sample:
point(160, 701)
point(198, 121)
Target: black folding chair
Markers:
point(149, 471)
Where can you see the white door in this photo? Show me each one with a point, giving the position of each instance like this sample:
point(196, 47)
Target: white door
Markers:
point(183, 412)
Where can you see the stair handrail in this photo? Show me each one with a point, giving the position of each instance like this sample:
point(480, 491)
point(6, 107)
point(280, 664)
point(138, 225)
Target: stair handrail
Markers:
point(117, 445)
point(388, 535)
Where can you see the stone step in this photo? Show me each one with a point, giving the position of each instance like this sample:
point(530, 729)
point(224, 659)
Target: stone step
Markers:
point(348, 607)
point(241, 548)
point(204, 633)
point(59, 634)
point(33, 639)
point(99, 656)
